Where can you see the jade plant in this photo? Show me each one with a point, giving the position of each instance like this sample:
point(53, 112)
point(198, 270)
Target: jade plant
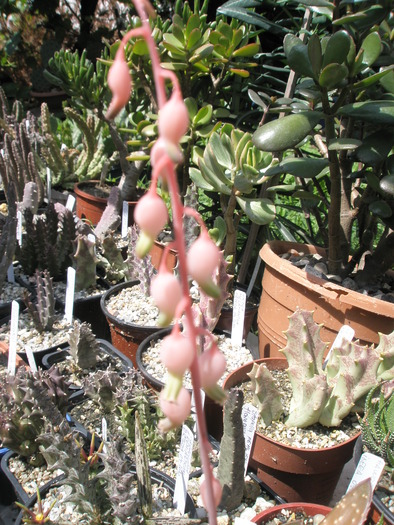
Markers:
point(335, 135)
point(321, 394)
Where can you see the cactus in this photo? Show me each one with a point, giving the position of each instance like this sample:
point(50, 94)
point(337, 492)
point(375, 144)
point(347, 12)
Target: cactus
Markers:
point(48, 243)
point(111, 260)
point(27, 408)
point(110, 218)
point(85, 262)
point(232, 452)
point(84, 347)
point(8, 236)
point(322, 396)
point(377, 423)
point(144, 483)
point(101, 387)
point(42, 310)
point(140, 269)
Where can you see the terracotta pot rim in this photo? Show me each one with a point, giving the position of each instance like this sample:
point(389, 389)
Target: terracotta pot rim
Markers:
point(296, 506)
point(299, 450)
point(270, 252)
point(112, 318)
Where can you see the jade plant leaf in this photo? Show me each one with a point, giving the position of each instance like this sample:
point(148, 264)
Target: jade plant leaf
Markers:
point(333, 75)
point(303, 167)
point(387, 184)
point(372, 46)
point(376, 111)
point(381, 208)
point(259, 211)
point(375, 148)
point(337, 48)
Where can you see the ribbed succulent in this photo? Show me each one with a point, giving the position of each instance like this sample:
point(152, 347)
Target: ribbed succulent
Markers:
point(111, 260)
point(328, 395)
point(85, 263)
point(49, 241)
point(8, 235)
point(140, 269)
point(84, 347)
point(27, 409)
point(101, 387)
point(42, 307)
point(377, 423)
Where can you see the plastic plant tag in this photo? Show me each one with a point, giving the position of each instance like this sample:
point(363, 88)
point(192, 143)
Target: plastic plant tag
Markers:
point(70, 202)
point(30, 359)
point(10, 274)
point(237, 327)
point(104, 432)
point(369, 466)
point(19, 227)
point(49, 188)
point(346, 333)
point(250, 416)
point(183, 471)
point(70, 290)
point(13, 338)
point(125, 219)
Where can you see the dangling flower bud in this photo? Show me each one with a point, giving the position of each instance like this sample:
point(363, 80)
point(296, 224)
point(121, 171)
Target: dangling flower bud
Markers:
point(163, 147)
point(212, 365)
point(173, 119)
point(166, 291)
point(217, 491)
point(176, 353)
point(177, 410)
point(119, 82)
point(202, 260)
point(151, 215)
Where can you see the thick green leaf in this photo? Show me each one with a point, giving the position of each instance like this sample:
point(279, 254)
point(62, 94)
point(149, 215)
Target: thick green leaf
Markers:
point(221, 147)
point(259, 211)
point(298, 60)
point(369, 81)
point(140, 48)
point(219, 230)
point(376, 111)
point(375, 148)
point(247, 51)
point(194, 38)
point(306, 196)
point(192, 24)
point(242, 184)
point(344, 144)
point(211, 178)
point(315, 54)
point(240, 72)
point(388, 82)
point(203, 116)
point(191, 104)
point(387, 184)
point(199, 180)
point(337, 48)
point(333, 75)
point(372, 47)
point(381, 209)
point(303, 167)
point(202, 52)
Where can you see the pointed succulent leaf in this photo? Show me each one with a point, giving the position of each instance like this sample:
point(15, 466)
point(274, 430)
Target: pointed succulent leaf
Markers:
point(265, 393)
point(259, 211)
point(353, 508)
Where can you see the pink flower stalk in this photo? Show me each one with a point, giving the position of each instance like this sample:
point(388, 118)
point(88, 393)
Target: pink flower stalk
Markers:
point(180, 351)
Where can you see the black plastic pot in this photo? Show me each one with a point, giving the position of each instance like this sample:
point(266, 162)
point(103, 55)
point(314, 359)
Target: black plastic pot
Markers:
point(125, 336)
point(156, 477)
point(40, 354)
point(20, 494)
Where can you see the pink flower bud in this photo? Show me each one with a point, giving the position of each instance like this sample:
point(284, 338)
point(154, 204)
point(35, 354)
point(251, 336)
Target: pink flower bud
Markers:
point(150, 214)
point(173, 119)
point(163, 148)
point(166, 291)
point(212, 365)
point(202, 260)
point(176, 353)
point(178, 410)
point(217, 491)
point(119, 82)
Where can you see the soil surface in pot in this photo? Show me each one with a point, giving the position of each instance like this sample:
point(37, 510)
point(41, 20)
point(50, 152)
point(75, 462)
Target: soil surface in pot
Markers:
point(288, 517)
point(131, 305)
point(312, 437)
point(96, 190)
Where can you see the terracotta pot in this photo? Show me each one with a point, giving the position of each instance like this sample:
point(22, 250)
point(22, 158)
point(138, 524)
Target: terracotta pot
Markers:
point(156, 254)
point(286, 287)
point(125, 336)
point(296, 474)
point(309, 509)
point(90, 207)
point(379, 509)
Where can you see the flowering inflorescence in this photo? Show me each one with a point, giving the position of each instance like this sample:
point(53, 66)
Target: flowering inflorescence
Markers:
point(179, 351)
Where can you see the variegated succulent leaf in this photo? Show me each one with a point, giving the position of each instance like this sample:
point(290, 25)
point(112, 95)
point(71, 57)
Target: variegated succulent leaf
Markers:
point(265, 394)
point(353, 508)
point(385, 350)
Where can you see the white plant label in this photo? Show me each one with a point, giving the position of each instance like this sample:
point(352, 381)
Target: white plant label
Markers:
point(49, 186)
point(369, 466)
point(19, 227)
point(70, 202)
point(183, 471)
point(345, 334)
point(104, 433)
point(13, 338)
point(70, 291)
point(237, 328)
point(250, 416)
point(30, 359)
point(125, 219)
point(10, 274)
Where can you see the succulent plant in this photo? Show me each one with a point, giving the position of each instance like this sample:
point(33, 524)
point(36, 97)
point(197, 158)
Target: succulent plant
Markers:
point(84, 347)
point(138, 268)
point(111, 260)
point(27, 409)
point(101, 387)
point(42, 308)
point(85, 263)
point(377, 423)
point(324, 396)
point(8, 235)
point(48, 243)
